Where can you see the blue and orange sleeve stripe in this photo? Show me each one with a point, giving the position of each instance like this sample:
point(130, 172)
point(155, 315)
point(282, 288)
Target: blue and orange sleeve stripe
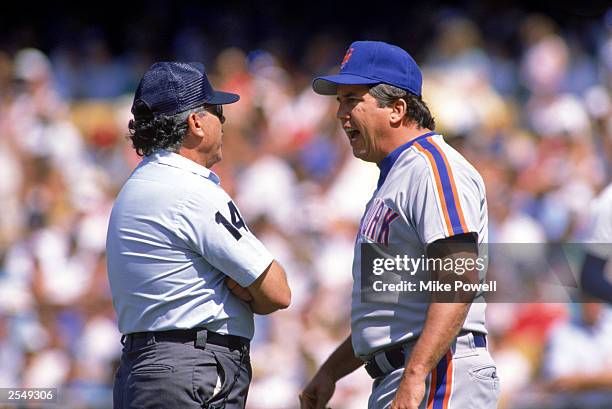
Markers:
point(441, 385)
point(445, 186)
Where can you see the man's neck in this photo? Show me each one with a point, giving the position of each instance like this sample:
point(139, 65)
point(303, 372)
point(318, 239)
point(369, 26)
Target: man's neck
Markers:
point(193, 156)
point(401, 136)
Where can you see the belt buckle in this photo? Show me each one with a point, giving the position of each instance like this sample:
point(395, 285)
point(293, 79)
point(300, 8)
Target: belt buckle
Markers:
point(201, 339)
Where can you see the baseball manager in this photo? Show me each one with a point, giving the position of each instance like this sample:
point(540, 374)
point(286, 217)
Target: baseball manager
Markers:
point(428, 198)
point(186, 273)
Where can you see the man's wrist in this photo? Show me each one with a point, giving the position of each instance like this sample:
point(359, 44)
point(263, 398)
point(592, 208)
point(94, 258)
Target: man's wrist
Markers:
point(416, 371)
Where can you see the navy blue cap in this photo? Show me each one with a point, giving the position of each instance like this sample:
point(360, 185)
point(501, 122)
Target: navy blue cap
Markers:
point(370, 63)
point(169, 88)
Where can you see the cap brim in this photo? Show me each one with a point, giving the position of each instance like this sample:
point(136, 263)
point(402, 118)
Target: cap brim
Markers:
point(328, 85)
point(222, 98)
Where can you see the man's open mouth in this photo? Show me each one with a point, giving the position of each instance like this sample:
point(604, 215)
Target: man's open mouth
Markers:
point(353, 134)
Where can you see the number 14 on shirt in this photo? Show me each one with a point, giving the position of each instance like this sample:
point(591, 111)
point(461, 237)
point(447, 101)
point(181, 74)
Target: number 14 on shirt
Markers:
point(236, 223)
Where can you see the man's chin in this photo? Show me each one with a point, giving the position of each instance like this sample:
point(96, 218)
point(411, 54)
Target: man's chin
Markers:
point(361, 155)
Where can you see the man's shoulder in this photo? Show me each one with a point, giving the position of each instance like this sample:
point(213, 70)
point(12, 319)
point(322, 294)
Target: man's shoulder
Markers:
point(158, 182)
point(436, 159)
point(460, 168)
point(455, 158)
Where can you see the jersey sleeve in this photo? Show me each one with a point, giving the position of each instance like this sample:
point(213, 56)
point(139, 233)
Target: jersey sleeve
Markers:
point(443, 203)
point(214, 228)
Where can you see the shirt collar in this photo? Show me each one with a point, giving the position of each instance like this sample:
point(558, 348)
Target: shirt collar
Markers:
point(387, 163)
point(175, 160)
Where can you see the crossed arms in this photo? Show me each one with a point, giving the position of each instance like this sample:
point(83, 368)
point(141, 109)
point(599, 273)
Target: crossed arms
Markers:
point(269, 293)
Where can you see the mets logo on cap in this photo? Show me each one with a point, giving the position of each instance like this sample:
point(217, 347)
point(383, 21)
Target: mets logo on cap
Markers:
point(347, 57)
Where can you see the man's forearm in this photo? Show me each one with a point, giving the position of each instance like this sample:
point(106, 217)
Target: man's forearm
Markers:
point(342, 361)
point(444, 319)
point(321, 387)
point(258, 304)
point(261, 307)
point(443, 323)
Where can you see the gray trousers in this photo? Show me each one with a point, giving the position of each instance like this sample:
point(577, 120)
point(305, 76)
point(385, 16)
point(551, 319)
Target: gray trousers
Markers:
point(465, 378)
point(169, 375)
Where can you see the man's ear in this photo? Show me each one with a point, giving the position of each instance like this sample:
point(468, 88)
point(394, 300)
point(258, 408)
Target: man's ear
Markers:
point(195, 122)
point(399, 107)
point(195, 131)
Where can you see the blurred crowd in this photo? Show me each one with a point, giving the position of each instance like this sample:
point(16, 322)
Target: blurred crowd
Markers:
point(536, 122)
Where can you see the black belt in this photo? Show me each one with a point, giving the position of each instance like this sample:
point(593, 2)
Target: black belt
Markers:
point(200, 337)
point(395, 356)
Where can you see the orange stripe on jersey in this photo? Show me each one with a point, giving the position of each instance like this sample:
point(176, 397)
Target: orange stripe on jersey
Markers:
point(449, 379)
point(441, 384)
point(453, 185)
point(432, 163)
point(432, 389)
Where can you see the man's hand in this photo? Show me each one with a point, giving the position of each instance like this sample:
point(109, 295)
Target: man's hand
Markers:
point(238, 291)
point(318, 391)
point(322, 386)
point(410, 394)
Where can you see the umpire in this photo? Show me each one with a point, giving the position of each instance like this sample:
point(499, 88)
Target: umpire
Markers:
point(186, 273)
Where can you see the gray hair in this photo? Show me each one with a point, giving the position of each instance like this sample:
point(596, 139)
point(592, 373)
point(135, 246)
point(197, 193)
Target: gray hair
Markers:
point(416, 109)
point(181, 126)
point(150, 133)
point(386, 94)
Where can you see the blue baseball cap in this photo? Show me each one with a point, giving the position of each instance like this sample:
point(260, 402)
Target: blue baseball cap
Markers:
point(169, 88)
point(370, 63)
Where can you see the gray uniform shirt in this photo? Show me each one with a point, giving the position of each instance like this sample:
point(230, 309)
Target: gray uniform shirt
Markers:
point(426, 191)
point(174, 235)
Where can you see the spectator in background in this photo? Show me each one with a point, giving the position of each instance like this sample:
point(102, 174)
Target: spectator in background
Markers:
point(579, 355)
